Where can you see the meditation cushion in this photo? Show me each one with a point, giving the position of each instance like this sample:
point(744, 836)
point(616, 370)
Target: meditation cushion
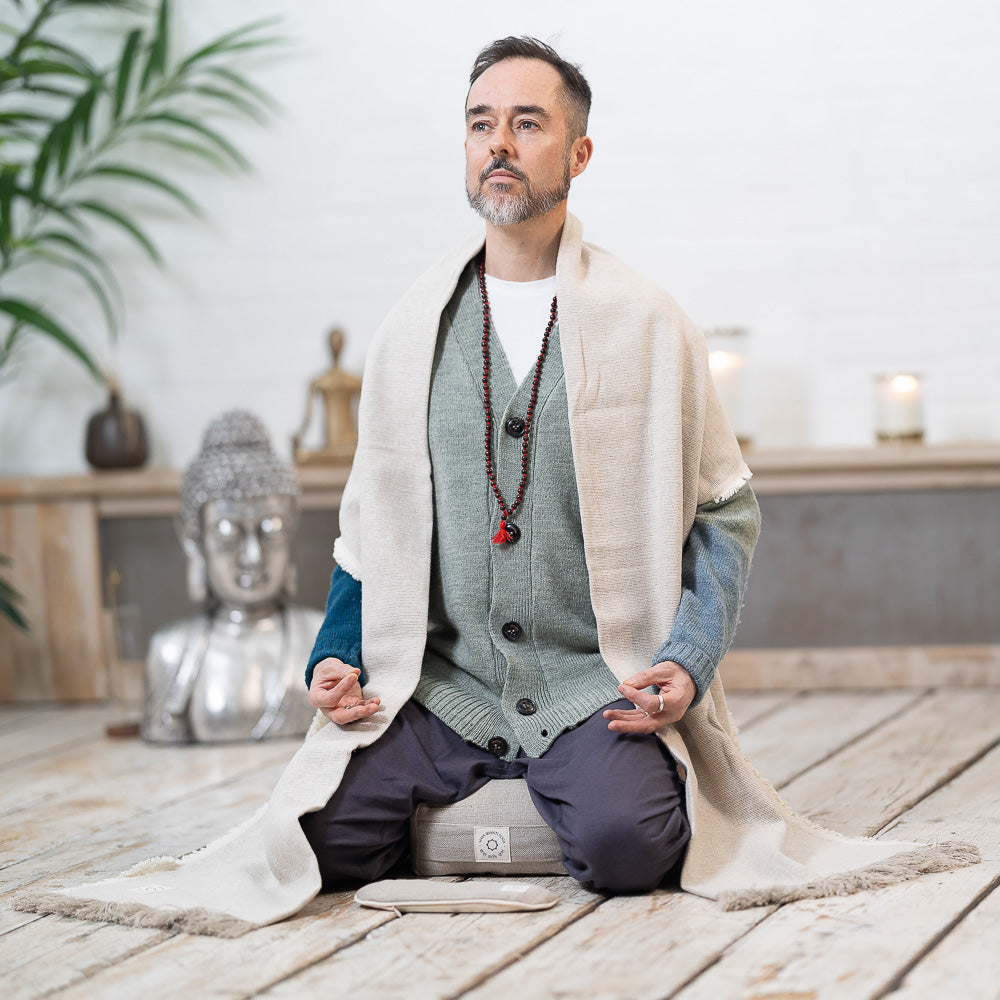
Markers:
point(495, 831)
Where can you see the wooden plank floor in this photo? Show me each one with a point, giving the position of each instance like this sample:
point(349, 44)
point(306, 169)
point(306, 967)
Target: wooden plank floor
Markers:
point(921, 764)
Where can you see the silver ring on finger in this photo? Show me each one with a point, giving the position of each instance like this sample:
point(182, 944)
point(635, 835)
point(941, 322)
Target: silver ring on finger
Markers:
point(660, 709)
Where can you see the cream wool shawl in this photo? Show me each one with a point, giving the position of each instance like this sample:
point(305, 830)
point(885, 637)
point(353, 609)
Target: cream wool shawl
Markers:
point(650, 444)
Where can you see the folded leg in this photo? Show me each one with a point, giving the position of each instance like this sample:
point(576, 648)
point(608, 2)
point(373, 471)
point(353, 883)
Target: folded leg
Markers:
point(616, 804)
point(363, 832)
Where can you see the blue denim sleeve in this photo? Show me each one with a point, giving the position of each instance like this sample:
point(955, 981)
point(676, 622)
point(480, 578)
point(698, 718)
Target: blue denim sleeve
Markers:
point(714, 571)
point(340, 633)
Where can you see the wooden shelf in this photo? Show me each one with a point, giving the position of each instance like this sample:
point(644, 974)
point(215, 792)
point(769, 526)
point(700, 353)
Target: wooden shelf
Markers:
point(152, 492)
point(877, 469)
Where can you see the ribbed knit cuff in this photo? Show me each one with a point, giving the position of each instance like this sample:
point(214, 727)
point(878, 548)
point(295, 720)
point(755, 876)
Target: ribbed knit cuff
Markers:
point(698, 664)
point(340, 634)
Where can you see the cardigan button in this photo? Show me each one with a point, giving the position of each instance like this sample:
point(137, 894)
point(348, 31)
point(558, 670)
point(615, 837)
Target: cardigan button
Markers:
point(526, 706)
point(498, 746)
point(512, 631)
point(515, 427)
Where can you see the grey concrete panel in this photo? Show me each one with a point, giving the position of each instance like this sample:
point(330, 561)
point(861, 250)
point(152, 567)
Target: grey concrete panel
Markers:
point(875, 569)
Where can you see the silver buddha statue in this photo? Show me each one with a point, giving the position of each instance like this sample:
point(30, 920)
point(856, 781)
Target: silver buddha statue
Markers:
point(234, 672)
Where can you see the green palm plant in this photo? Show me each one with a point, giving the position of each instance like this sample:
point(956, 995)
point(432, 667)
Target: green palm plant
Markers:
point(72, 133)
point(9, 601)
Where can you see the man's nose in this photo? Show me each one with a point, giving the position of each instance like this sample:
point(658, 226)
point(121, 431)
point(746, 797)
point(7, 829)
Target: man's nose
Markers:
point(501, 144)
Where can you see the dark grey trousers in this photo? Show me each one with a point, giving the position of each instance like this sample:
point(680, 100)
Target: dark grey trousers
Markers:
point(614, 801)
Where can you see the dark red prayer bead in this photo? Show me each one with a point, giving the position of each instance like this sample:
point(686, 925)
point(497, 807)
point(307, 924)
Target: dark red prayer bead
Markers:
point(506, 511)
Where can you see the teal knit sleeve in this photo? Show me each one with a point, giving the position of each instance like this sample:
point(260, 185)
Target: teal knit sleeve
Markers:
point(340, 633)
point(714, 571)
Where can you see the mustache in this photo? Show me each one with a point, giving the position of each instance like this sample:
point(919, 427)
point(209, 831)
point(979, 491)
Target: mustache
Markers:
point(499, 163)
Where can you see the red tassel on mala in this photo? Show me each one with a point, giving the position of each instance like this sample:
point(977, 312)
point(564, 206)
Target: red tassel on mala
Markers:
point(503, 535)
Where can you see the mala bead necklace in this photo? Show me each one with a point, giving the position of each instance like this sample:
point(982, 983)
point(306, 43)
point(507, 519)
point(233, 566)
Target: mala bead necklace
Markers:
point(508, 533)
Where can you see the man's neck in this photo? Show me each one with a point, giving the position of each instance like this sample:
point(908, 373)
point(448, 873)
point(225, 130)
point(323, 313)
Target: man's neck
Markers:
point(526, 252)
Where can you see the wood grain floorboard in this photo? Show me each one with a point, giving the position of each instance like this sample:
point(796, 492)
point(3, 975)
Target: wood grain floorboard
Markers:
point(914, 764)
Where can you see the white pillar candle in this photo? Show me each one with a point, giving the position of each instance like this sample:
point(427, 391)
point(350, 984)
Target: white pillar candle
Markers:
point(899, 407)
point(727, 361)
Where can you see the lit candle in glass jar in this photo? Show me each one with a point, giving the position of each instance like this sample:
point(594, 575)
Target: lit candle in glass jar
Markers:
point(727, 359)
point(899, 407)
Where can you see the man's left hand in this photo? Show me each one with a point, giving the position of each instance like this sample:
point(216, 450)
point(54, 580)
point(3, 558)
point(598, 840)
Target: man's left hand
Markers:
point(676, 689)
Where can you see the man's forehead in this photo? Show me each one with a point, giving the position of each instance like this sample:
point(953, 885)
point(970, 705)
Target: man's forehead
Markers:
point(516, 82)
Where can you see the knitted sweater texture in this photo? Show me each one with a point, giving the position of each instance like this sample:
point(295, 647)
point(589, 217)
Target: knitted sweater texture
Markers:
point(529, 685)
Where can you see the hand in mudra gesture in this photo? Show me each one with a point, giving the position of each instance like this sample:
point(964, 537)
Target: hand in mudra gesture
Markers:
point(652, 711)
point(336, 691)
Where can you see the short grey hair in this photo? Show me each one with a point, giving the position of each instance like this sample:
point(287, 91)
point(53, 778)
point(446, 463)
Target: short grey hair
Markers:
point(576, 90)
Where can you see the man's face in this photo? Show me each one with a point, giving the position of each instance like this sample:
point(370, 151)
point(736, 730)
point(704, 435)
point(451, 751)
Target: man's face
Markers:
point(518, 157)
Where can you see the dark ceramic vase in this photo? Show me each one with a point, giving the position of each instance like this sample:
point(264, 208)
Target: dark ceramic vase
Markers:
point(116, 437)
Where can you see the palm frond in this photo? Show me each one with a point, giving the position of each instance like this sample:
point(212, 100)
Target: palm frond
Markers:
point(9, 600)
point(220, 142)
point(70, 242)
point(196, 149)
point(41, 66)
point(62, 54)
point(39, 201)
point(126, 173)
point(156, 54)
point(125, 64)
point(240, 83)
point(239, 40)
point(86, 275)
point(123, 222)
point(30, 315)
point(8, 184)
point(77, 126)
point(236, 101)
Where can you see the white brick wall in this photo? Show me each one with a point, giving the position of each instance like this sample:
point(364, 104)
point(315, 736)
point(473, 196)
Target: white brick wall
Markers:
point(824, 174)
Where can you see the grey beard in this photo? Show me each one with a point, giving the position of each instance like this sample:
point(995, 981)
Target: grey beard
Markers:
point(501, 208)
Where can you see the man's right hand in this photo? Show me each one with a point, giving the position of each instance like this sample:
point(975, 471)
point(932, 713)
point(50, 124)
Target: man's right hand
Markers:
point(336, 692)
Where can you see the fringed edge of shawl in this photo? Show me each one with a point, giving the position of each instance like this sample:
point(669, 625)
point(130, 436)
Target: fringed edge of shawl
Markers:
point(194, 921)
point(899, 867)
point(165, 863)
point(727, 492)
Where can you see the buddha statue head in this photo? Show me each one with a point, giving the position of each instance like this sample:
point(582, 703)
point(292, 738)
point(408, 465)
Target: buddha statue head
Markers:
point(239, 506)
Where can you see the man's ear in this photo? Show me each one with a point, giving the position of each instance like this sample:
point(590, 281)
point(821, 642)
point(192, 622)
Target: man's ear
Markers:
point(580, 153)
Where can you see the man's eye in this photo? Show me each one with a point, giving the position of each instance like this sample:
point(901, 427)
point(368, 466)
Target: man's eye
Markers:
point(527, 126)
point(479, 126)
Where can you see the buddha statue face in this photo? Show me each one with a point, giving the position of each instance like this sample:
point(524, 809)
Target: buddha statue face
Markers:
point(239, 503)
point(247, 549)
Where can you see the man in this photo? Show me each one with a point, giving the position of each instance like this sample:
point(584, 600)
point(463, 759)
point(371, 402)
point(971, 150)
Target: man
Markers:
point(510, 590)
point(514, 681)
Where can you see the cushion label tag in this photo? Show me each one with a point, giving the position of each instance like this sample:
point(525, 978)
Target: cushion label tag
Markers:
point(492, 843)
